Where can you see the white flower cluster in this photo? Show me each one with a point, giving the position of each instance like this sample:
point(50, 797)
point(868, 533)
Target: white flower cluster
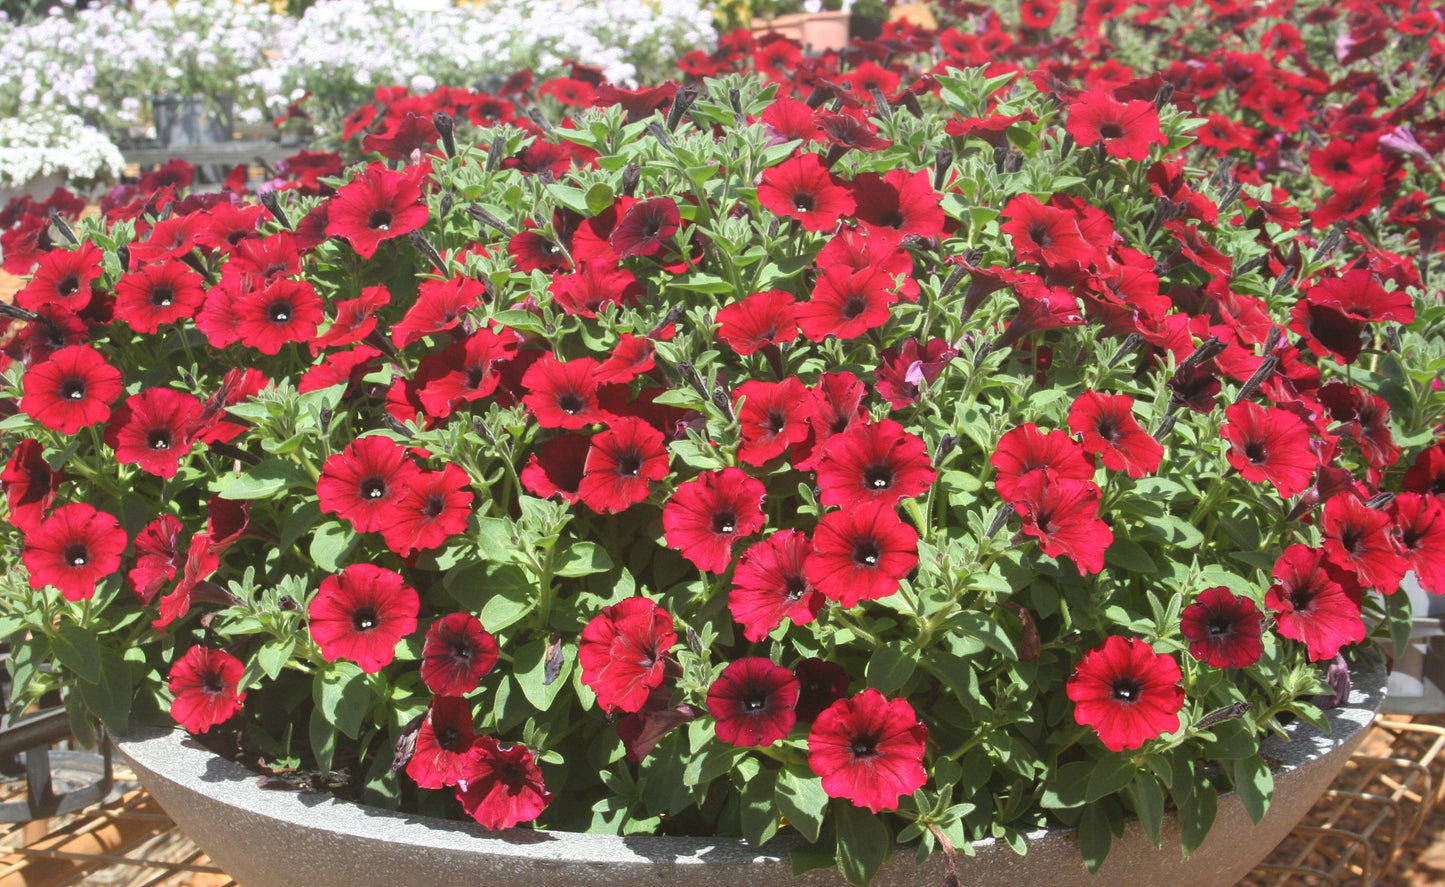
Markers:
point(101, 62)
point(55, 144)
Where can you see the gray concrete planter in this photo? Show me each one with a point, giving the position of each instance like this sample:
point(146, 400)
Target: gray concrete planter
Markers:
point(275, 839)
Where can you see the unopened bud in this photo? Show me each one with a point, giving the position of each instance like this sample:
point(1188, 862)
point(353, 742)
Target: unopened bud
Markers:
point(494, 154)
point(1380, 500)
point(446, 128)
point(1286, 278)
point(954, 278)
point(946, 445)
point(681, 104)
point(1164, 428)
point(1266, 369)
point(482, 431)
point(429, 252)
point(999, 520)
point(657, 132)
point(880, 103)
point(1327, 245)
point(1165, 93)
point(481, 214)
point(541, 120)
point(941, 163)
point(67, 233)
point(273, 206)
point(1130, 344)
point(631, 175)
point(324, 419)
point(396, 425)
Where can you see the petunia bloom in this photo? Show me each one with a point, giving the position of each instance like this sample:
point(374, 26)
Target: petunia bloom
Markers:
point(442, 743)
point(623, 652)
point(861, 553)
point(70, 390)
point(769, 585)
point(204, 683)
point(1315, 602)
point(706, 514)
point(362, 614)
point(501, 785)
point(752, 702)
point(869, 750)
point(377, 205)
point(73, 549)
point(457, 653)
point(1223, 629)
point(1269, 444)
point(1127, 693)
point(1106, 425)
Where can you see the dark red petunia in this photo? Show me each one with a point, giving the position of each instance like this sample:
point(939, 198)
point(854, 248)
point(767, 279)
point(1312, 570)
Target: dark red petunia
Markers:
point(71, 389)
point(873, 462)
point(204, 683)
point(405, 138)
point(377, 205)
point(557, 468)
point(341, 367)
point(820, 684)
point(256, 263)
point(355, 319)
point(1063, 514)
point(440, 306)
point(1127, 693)
point(158, 557)
point(155, 429)
point(861, 553)
point(365, 481)
point(362, 614)
point(622, 464)
point(563, 394)
point(835, 403)
point(769, 585)
point(457, 654)
point(1223, 629)
point(752, 702)
point(1315, 602)
point(1270, 444)
point(646, 228)
point(771, 417)
point(761, 319)
point(1419, 529)
point(1026, 449)
point(903, 201)
point(62, 278)
point(708, 513)
point(1427, 474)
point(902, 375)
point(802, 188)
point(1106, 424)
point(433, 507)
point(442, 743)
point(846, 303)
point(1044, 234)
point(869, 750)
point(501, 785)
point(1125, 129)
point(642, 730)
point(593, 286)
point(623, 652)
point(158, 294)
point(276, 315)
point(464, 372)
point(29, 484)
point(1357, 538)
point(73, 549)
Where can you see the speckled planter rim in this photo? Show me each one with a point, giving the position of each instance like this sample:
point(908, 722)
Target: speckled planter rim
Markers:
point(267, 838)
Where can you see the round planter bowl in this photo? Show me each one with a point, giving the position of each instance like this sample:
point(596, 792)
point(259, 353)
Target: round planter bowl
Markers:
point(267, 838)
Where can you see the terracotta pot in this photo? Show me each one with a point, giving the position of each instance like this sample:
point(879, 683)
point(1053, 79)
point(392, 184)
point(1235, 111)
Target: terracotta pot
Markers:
point(817, 31)
point(271, 838)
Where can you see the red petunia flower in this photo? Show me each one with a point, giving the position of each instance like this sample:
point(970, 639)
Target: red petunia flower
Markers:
point(869, 750)
point(622, 464)
point(623, 652)
point(73, 549)
point(861, 553)
point(440, 306)
point(280, 313)
point(1270, 444)
point(355, 319)
point(1044, 234)
point(457, 654)
point(873, 462)
point(62, 278)
point(772, 417)
point(557, 468)
point(1315, 602)
point(846, 303)
point(155, 429)
point(769, 585)
point(1357, 538)
point(903, 201)
point(443, 742)
point(71, 389)
point(802, 188)
point(1106, 424)
point(1223, 629)
point(1419, 529)
point(362, 614)
point(563, 394)
point(646, 228)
point(820, 684)
point(466, 371)
point(501, 785)
point(158, 294)
point(377, 205)
point(1026, 449)
point(29, 484)
point(433, 507)
point(204, 683)
point(902, 375)
point(761, 319)
point(364, 482)
point(752, 702)
point(1128, 693)
point(706, 514)
point(1063, 514)
point(158, 557)
point(593, 286)
point(1125, 129)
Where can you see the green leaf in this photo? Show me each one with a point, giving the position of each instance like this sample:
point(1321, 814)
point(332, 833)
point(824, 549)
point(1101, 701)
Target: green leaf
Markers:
point(1129, 556)
point(1197, 802)
point(864, 842)
point(599, 198)
point(529, 667)
point(1070, 787)
point(262, 481)
point(986, 629)
point(1095, 836)
point(82, 725)
point(25, 662)
point(495, 539)
point(110, 697)
point(502, 593)
point(342, 696)
point(323, 741)
point(1254, 783)
point(77, 650)
point(1148, 804)
point(274, 654)
point(331, 543)
point(802, 800)
point(1110, 775)
point(1232, 741)
point(581, 559)
point(891, 665)
point(759, 814)
point(521, 321)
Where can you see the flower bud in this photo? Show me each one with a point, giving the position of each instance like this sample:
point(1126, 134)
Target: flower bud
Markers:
point(66, 232)
point(273, 206)
point(657, 132)
point(1130, 344)
point(446, 128)
point(430, 252)
point(1327, 245)
point(881, 104)
point(681, 104)
point(481, 214)
point(946, 445)
point(1266, 369)
point(941, 163)
point(324, 420)
point(1165, 93)
point(396, 425)
point(494, 154)
point(1005, 512)
point(631, 174)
